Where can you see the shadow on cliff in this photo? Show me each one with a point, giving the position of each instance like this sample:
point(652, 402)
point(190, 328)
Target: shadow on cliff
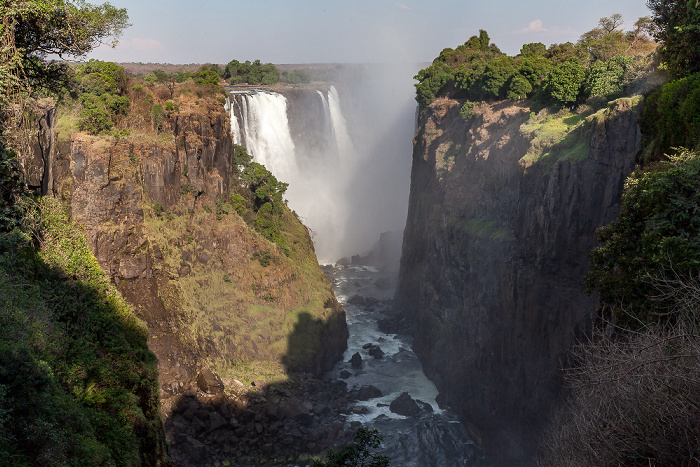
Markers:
point(61, 400)
point(268, 424)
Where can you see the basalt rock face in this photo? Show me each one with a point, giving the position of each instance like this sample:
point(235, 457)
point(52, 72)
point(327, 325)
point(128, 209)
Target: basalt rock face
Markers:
point(494, 257)
point(152, 213)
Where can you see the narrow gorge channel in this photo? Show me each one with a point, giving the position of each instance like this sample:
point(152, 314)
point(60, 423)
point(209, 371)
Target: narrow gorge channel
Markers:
point(305, 139)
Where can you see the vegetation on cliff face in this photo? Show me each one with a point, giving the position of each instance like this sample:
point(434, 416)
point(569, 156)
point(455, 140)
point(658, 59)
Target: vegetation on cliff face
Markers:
point(636, 397)
point(78, 385)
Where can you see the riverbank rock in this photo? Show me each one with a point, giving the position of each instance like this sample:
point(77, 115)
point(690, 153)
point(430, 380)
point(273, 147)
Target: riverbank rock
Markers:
point(404, 405)
point(367, 392)
point(356, 360)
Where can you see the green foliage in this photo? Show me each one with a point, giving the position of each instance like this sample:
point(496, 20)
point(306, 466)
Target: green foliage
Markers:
point(34, 30)
point(12, 190)
point(606, 79)
point(536, 49)
point(655, 237)
point(564, 83)
point(98, 77)
point(239, 204)
point(358, 453)
point(78, 385)
point(296, 77)
point(251, 73)
point(671, 117)
point(678, 29)
point(222, 209)
point(467, 110)
point(206, 77)
point(605, 41)
point(157, 115)
point(263, 257)
point(94, 118)
point(158, 209)
point(241, 158)
point(431, 81)
point(560, 53)
point(519, 88)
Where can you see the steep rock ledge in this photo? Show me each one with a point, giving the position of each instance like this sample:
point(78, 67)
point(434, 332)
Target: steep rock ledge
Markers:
point(148, 206)
point(495, 252)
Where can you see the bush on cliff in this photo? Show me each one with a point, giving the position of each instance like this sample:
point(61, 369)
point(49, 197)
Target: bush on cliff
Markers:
point(655, 237)
point(671, 117)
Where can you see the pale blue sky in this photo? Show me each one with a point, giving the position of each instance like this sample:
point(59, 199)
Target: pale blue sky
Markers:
point(317, 31)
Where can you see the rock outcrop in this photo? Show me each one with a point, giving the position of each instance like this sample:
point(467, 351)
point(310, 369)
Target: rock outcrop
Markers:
point(153, 210)
point(494, 256)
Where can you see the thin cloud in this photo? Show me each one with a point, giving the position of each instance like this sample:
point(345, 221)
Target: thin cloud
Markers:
point(403, 6)
point(537, 27)
point(534, 26)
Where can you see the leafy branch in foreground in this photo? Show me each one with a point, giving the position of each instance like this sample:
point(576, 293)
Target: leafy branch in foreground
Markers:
point(358, 453)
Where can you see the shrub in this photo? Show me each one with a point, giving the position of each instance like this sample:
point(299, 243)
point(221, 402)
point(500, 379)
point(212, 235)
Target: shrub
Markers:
point(635, 400)
point(467, 110)
point(656, 235)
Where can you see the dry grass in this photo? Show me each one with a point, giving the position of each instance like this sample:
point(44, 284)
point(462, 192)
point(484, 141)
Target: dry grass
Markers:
point(636, 395)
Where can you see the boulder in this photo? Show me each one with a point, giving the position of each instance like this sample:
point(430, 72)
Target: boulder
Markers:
point(376, 352)
point(367, 391)
point(404, 405)
point(356, 360)
point(210, 383)
point(345, 374)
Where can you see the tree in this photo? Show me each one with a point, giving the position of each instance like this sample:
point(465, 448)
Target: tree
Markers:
point(605, 41)
point(564, 82)
point(605, 79)
point(678, 30)
point(34, 30)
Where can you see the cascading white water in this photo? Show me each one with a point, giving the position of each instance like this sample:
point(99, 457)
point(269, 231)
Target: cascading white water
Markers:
point(267, 135)
point(316, 181)
point(340, 127)
point(345, 155)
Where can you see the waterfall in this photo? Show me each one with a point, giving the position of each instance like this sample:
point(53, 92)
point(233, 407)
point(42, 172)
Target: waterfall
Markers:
point(340, 128)
point(343, 188)
point(267, 135)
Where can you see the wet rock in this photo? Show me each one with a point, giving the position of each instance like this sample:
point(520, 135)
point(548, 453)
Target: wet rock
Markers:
point(356, 360)
point(367, 392)
point(208, 382)
point(424, 406)
point(360, 410)
point(345, 374)
point(357, 300)
point(404, 405)
point(371, 301)
point(376, 352)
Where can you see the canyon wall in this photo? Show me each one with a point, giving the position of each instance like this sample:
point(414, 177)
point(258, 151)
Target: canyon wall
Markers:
point(153, 208)
point(502, 217)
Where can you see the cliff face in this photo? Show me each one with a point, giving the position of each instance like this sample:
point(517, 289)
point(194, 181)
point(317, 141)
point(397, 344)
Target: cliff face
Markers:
point(501, 221)
point(152, 209)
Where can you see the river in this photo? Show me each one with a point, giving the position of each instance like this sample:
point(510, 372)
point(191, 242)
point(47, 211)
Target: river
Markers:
point(433, 437)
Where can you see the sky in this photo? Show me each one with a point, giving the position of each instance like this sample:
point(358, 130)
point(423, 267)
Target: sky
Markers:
point(350, 31)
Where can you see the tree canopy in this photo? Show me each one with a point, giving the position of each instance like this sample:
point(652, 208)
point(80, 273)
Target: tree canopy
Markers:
point(678, 30)
point(35, 30)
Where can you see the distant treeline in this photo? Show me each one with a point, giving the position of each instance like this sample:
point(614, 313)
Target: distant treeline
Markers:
point(235, 72)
